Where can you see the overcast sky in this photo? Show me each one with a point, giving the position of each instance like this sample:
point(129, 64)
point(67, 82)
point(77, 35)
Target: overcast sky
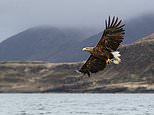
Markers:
point(18, 15)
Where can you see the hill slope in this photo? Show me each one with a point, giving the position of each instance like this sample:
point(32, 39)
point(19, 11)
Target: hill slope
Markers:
point(134, 74)
point(35, 44)
point(55, 45)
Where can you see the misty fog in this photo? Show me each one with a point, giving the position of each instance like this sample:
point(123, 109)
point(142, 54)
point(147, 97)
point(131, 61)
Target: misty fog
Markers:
point(18, 15)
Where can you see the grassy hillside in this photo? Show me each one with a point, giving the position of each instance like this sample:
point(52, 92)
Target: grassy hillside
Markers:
point(134, 74)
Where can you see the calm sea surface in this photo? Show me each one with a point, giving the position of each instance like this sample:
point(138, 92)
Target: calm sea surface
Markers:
point(76, 104)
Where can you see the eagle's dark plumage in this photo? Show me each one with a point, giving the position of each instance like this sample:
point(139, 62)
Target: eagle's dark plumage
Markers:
point(105, 49)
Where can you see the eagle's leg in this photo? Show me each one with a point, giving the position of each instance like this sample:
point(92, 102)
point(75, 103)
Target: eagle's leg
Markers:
point(109, 57)
point(108, 61)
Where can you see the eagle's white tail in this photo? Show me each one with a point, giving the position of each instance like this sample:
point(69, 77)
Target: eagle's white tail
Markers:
point(116, 57)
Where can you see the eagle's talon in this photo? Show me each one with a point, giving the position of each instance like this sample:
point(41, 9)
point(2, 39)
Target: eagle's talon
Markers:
point(108, 61)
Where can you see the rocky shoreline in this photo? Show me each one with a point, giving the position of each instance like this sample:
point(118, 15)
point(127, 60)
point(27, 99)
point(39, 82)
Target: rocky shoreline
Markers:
point(43, 77)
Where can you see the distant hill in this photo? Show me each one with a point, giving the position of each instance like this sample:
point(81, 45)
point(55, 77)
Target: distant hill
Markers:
point(135, 29)
point(134, 74)
point(35, 44)
point(139, 27)
point(45, 44)
point(57, 45)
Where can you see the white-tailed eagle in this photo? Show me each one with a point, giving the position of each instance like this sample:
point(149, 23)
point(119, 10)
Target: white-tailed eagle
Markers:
point(105, 50)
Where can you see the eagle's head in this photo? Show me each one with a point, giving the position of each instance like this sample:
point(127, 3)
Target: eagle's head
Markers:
point(89, 49)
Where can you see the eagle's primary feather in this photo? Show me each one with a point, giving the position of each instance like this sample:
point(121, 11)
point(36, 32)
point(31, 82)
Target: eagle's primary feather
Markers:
point(103, 51)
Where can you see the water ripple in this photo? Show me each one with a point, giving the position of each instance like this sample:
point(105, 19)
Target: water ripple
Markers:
point(76, 104)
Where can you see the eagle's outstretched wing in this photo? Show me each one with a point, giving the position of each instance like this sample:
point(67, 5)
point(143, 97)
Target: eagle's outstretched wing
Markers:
point(110, 40)
point(93, 65)
point(112, 35)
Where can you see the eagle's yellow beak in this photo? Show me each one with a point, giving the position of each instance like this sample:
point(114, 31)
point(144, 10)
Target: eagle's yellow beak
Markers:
point(84, 49)
point(89, 49)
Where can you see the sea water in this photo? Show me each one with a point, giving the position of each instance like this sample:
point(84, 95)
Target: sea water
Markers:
point(76, 104)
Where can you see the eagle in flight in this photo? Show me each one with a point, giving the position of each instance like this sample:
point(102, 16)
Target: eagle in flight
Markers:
point(105, 51)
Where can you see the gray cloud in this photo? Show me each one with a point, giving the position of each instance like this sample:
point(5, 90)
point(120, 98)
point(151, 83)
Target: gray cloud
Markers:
point(17, 15)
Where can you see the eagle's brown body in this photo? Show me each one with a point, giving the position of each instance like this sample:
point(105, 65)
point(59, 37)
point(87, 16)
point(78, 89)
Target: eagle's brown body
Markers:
point(100, 53)
point(103, 52)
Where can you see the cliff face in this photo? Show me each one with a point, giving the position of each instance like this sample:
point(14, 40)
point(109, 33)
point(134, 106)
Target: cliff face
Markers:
point(134, 74)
